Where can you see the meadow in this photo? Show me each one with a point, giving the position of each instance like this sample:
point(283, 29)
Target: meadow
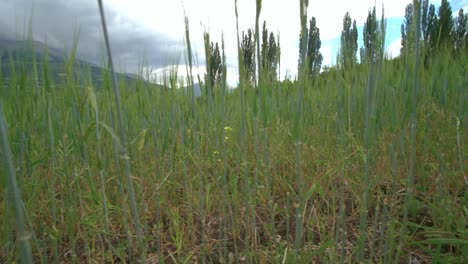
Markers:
point(361, 164)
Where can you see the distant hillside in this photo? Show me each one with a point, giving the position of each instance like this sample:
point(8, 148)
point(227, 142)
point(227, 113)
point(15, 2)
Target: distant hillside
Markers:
point(20, 52)
point(196, 88)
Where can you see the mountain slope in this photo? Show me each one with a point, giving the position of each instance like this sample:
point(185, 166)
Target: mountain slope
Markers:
point(16, 55)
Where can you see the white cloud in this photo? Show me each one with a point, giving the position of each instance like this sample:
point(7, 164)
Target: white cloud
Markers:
point(327, 53)
point(162, 74)
point(393, 50)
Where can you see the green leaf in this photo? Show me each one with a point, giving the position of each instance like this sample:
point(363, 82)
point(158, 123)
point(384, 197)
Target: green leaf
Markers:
point(442, 241)
point(311, 191)
point(141, 139)
point(92, 98)
point(111, 131)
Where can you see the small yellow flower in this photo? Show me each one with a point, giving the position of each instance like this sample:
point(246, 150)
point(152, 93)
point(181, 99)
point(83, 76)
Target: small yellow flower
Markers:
point(227, 128)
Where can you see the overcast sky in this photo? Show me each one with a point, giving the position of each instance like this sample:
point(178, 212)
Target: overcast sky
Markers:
point(152, 31)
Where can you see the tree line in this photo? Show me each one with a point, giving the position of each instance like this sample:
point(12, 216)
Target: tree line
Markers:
point(438, 30)
point(269, 55)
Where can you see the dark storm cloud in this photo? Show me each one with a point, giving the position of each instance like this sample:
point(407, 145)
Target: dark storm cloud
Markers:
point(57, 22)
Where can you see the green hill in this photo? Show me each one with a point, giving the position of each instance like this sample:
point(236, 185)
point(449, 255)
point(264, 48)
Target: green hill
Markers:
point(18, 55)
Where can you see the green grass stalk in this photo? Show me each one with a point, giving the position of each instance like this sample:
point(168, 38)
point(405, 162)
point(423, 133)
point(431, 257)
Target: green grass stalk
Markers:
point(23, 235)
point(123, 140)
point(413, 121)
point(297, 137)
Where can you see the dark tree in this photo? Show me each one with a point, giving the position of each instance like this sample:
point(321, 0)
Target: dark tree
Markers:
point(248, 54)
point(272, 58)
point(428, 21)
point(354, 38)
point(314, 57)
point(209, 80)
point(278, 56)
point(269, 56)
point(460, 32)
point(424, 18)
point(302, 48)
point(381, 35)
point(216, 67)
point(407, 30)
point(349, 36)
point(362, 55)
point(371, 37)
point(213, 65)
point(430, 34)
point(264, 50)
point(444, 25)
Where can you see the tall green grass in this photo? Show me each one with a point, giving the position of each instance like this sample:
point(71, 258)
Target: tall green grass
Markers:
point(14, 193)
point(325, 170)
point(122, 137)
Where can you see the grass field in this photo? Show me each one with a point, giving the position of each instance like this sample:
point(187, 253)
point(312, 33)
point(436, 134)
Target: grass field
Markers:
point(364, 164)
